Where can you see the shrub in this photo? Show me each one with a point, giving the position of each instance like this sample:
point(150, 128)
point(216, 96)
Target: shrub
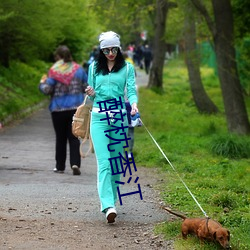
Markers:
point(223, 200)
point(231, 146)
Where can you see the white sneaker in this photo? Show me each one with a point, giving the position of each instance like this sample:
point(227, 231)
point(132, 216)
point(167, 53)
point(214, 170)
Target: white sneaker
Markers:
point(111, 214)
point(129, 155)
point(58, 171)
point(76, 170)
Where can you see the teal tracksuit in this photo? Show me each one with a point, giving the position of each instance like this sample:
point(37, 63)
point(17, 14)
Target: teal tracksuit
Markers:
point(107, 87)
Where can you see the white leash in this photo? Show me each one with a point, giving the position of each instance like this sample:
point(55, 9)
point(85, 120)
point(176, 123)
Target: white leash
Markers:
point(174, 170)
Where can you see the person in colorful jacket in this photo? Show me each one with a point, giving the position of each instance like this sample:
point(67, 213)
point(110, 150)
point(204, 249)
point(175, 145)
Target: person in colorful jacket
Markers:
point(108, 77)
point(65, 83)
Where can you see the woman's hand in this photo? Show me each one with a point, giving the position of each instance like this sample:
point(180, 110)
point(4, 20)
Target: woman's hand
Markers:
point(90, 91)
point(43, 79)
point(134, 109)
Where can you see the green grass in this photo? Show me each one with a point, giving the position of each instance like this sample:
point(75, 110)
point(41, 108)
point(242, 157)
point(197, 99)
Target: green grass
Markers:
point(19, 88)
point(214, 164)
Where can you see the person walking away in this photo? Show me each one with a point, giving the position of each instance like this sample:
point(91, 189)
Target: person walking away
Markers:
point(108, 77)
point(65, 84)
point(147, 54)
point(92, 56)
point(140, 55)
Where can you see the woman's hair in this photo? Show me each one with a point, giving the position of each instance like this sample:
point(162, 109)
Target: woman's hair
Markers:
point(63, 52)
point(102, 67)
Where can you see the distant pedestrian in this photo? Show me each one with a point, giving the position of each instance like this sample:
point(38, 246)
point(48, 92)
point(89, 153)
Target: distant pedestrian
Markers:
point(138, 56)
point(93, 55)
point(65, 84)
point(107, 83)
point(147, 54)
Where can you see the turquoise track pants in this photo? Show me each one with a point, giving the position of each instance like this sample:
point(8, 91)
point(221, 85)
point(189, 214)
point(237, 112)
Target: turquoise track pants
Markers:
point(106, 186)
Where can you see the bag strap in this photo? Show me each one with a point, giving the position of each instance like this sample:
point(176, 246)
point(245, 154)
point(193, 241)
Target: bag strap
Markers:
point(91, 148)
point(93, 70)
point(93, 74)
point(127, 72)
point(127, 75)
point(126, 83)
point(86, 138)
point(85, 99)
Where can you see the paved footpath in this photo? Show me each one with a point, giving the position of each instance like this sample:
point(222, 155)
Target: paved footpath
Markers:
point(30, 190)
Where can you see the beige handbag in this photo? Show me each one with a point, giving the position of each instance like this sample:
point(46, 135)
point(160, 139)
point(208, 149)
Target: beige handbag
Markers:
point(81, 126)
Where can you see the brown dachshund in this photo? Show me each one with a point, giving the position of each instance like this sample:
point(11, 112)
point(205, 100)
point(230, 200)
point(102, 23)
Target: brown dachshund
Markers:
point(204, 229)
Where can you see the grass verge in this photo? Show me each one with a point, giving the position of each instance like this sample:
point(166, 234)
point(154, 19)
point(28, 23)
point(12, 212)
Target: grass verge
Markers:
point(19, 89)
point(214, 164)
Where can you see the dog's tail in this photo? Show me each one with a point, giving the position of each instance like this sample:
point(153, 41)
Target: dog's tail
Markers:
point(175, 213)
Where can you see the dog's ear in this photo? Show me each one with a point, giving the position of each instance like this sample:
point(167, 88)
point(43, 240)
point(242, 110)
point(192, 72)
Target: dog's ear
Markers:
point(228, 237)
point(214, 235)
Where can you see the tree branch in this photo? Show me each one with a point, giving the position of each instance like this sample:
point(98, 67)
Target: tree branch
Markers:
point(172, 5)
point(202, 9)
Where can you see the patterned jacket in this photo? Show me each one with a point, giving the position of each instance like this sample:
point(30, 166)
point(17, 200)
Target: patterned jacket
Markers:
point(65, 96)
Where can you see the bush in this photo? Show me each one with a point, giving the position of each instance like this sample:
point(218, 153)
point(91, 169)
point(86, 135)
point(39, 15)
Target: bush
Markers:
point(19, 88)
point(223, 200)
point(231, 146)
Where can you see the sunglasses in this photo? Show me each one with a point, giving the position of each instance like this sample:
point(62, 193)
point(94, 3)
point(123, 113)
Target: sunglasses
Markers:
point(106, 51)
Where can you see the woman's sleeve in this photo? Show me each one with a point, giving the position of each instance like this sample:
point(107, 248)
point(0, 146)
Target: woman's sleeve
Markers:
point(47, 87)
point(81, 73)
point(131, 85)
point(91, 78)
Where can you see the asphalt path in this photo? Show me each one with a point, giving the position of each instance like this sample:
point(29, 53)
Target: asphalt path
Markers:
point(29, 188)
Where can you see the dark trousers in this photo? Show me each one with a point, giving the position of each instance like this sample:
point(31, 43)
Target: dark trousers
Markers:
point(62, 122)
point(147, 65)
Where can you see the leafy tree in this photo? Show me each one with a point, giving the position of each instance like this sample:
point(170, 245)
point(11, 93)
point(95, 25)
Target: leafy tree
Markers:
point(180, 28)
point(78, 30)
point(175, 24)
point(28, 33)
point(242, 33)
point(241, 18)
point(126, 17)
point(156, 72)
point(201, 99)
point(22, 35)
point(221, 28)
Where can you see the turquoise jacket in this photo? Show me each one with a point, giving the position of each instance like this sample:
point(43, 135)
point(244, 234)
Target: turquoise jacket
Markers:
point(113, 85)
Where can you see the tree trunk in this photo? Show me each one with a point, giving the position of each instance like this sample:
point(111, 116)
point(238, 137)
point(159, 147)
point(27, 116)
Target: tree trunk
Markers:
point(201, 99)
point(159, 47)
point(235, 109)
point(223, 38)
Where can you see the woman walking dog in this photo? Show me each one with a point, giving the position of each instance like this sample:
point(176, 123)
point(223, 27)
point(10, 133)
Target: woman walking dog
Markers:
point(108, 77)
